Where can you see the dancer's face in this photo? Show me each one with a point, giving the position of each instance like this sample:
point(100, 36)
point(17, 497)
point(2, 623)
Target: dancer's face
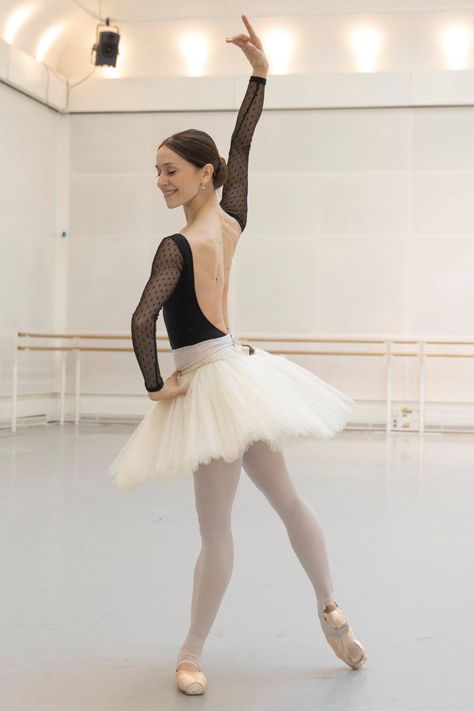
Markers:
point(178, 179)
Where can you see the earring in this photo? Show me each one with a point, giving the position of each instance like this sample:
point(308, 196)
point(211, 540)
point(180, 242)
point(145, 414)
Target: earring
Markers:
point(203, 187)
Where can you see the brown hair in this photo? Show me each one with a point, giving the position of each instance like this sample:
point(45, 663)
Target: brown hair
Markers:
point(198, 148)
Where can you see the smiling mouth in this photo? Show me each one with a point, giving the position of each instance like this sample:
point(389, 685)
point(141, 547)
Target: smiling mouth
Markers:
point(170, 193)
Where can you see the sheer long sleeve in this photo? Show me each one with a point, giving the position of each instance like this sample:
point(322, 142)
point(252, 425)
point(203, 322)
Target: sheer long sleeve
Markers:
point(166, 270)
point(234, 191)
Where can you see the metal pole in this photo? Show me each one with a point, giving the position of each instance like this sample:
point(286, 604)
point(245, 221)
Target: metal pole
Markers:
point(77, 393)
point(389, 388)
point(62, 395)
point(422, 387)
point(15, 381)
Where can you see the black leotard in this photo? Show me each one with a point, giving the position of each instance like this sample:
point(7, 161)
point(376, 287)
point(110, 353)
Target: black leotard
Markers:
point(171, 283)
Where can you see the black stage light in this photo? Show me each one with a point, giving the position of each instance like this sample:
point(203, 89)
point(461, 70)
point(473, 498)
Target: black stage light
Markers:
point(106, 47)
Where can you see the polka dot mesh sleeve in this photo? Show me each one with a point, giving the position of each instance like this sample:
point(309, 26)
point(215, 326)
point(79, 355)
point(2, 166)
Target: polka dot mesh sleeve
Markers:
point(234, 191)
point(166, 270)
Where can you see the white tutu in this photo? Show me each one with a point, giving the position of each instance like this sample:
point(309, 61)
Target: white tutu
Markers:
point(234, 398)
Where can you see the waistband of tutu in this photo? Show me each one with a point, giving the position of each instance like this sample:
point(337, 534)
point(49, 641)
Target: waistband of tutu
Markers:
point(187, 356)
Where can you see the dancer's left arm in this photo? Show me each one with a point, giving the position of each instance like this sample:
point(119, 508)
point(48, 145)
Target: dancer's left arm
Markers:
point(234, 192)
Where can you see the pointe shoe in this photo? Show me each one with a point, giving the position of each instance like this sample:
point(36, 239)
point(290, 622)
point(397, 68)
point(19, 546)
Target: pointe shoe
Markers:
point(190, 681)
point(344, 643)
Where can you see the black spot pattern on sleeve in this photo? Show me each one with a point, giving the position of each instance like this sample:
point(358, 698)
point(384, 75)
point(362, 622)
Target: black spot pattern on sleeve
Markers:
point(234, 191)
point(166, 271)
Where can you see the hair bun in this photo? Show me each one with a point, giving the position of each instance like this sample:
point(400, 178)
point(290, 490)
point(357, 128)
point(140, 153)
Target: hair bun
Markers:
point(220, 174)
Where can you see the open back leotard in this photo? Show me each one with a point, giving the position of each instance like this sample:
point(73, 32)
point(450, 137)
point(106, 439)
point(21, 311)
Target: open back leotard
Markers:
point(171, 283)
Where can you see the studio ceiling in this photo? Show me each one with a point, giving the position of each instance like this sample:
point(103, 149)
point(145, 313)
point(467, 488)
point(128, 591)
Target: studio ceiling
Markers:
point(144, 23)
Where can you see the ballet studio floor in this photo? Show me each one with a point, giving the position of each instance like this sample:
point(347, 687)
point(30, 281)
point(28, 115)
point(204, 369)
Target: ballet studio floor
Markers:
point(96, 583)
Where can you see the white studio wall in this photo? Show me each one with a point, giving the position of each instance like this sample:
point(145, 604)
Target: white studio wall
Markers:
point(33, 200)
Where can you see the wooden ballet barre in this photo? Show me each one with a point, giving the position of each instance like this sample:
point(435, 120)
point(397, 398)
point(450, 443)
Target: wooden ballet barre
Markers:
point(388, 353)
point(280, 339)
point(105, 349)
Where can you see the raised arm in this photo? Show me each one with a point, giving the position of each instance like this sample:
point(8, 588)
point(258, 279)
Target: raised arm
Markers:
point(166, 270)
point(235, 189)
point(234, 192)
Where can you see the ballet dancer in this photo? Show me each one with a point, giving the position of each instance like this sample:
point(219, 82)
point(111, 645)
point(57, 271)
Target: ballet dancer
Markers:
point(227, 405)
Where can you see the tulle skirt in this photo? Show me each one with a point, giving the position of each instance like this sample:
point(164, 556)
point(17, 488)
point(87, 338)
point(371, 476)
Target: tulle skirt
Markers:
point(233, 398)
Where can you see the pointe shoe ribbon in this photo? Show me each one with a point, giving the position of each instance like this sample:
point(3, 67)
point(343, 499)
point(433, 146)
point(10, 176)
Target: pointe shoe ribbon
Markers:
point(191, 682)
point(344, 643)
point(336, 619)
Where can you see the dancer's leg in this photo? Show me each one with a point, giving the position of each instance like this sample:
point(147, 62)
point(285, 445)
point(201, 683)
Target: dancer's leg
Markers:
point(269, 472)
point(215, 485)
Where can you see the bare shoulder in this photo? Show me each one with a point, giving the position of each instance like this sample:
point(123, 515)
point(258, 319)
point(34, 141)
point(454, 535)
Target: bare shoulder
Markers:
point(226, 231)
point(231, 230)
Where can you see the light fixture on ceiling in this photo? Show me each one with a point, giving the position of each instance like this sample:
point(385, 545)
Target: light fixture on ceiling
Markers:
point(16, 21)
point(106, 46)
point(46, 41)
point(278, 44)
point(194, 48)
point(456, 41)
point(366, 43)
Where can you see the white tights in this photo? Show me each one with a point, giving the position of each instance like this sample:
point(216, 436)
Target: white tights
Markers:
point(215, 485)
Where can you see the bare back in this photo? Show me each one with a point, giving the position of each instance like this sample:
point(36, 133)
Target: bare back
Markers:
point(213, 246)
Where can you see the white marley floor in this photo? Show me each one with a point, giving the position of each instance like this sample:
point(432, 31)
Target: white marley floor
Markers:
point(96, 583)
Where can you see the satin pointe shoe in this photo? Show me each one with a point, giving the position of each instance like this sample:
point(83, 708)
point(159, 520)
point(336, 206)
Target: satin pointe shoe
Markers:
point(344, 643)
point(190, 681)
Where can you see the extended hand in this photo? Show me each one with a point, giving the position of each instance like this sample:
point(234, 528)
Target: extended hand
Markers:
point(170, 389)
point(251, 46)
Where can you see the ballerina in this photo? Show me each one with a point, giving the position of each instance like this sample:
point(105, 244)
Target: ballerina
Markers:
point(227, 404)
